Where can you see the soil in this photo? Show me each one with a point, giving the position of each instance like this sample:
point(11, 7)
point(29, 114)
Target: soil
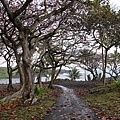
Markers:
point(5, 92)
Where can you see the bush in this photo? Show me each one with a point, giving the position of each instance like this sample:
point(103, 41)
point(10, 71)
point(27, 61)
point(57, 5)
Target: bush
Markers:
point(117, 84)
point(37, 90)
point(66, 79)
point(99, 76)
point(40, 92)
point(88, 77)
point(74, 74)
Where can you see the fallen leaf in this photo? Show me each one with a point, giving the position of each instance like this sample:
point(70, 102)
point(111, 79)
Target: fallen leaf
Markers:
point(104, 118)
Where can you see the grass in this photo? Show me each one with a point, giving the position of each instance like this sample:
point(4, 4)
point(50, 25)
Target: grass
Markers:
point(4, 74)
point(105, 101)
point(26, 112)
point(16, 110)
point(40, 92)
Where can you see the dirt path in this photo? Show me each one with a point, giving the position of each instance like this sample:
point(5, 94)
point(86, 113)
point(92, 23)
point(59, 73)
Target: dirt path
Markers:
point(69, 107)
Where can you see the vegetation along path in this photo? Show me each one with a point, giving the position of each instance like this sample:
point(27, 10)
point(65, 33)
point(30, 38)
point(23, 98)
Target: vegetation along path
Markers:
point(69, 107)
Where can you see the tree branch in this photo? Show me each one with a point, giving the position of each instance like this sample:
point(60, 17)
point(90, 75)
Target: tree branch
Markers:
point(19, 11)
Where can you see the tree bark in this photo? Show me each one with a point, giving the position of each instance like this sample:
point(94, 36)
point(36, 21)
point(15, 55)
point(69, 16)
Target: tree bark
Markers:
point(20, 68)
point(104, 70)
point(52, 78)
point(9, 69)
point(58, 72)
point(40, 79)
point(28, 73)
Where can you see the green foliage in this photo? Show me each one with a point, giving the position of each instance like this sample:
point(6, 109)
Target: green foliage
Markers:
point(88, 77)
point(2, 102)
point(40, 92)
point(28, 112)
point(37, 90)
point(44, 91)
point(104, 100)
point(3, 72)
point(100, 76)
point(66, 79)
point(74, 74)
point(117, 84)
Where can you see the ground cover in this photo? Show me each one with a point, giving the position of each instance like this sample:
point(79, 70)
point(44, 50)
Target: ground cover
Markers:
point(3, 72)
point(104, 101)
point(17, 110)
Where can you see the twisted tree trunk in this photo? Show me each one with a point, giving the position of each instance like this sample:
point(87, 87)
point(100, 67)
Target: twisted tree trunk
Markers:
point(26, 73)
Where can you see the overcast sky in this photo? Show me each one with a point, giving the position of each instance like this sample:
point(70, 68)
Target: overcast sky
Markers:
point(115, 3)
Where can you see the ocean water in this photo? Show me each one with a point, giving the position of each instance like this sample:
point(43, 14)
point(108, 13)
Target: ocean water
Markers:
point(61, 76)
point(17, 80)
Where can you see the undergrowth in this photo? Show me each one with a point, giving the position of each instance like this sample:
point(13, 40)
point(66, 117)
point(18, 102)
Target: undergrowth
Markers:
point(105, 101)
point(17, 110)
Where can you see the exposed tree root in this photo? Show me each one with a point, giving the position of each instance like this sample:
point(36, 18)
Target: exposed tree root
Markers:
point(15, 96)
point(19, 94)
point(31, 101)
point(10, 88)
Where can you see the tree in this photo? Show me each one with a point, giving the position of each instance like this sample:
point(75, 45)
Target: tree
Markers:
point(114, 64)
point(59, 50)
point(22, 25)
point(8, 55)
point(103, 25)
point(90, 61)
point(74, 74)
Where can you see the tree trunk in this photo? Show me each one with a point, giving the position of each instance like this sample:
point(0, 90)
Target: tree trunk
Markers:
point(40, 79)
point(94, 76)
point(20, 68)
point(28, 73)
point(104, 70)
point(52, 78)
point(10, 87)
point(9, 70)
point(16, 95)
point(58, 73)
point(103, 67)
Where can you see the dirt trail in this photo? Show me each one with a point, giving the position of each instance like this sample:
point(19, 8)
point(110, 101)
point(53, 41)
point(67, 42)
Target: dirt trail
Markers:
point(69, 107)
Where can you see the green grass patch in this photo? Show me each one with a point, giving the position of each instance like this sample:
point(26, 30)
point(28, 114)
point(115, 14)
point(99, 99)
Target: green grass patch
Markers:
point(19, 111)
point(105, 101)
point(27, 112)
point(41, 92)
point(3, 72)
point(37, 110)
point(117, 85)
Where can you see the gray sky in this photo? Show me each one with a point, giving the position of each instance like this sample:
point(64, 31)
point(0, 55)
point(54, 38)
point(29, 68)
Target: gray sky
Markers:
point(115, 4)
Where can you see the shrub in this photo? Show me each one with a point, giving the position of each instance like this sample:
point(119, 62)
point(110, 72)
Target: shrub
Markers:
point(40, 92)
point(66, 79)
point(99, 76)
point(74, 74)
point(117, 84)
point(88, 77)
point(37, 90)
